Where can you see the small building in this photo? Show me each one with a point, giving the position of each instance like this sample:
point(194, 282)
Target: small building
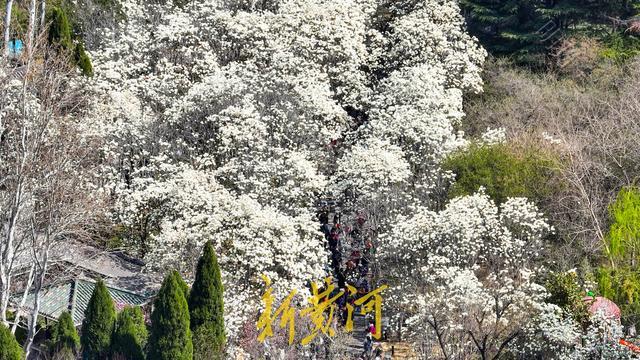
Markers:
point(73, 296)
point(73, 270)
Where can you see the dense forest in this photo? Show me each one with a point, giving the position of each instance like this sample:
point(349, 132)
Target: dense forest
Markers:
point(476, 161)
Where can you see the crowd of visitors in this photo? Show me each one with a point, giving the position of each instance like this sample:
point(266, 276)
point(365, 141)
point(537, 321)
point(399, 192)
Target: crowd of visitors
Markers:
point(350, 251)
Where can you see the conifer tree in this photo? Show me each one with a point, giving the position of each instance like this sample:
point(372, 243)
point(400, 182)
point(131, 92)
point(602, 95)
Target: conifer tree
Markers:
point(82, 60)
point(97, 326)
point(565, 13)
point(170, 332)
point(183, 285)
point(206, 306)
point(60, 29)
point(130, 335)
point(64, 337)
point(9, 347)
point(504, 27)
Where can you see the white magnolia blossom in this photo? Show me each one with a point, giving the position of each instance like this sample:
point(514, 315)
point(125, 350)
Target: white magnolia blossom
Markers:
point(188, 208)
point(493, 136)
point(372, 168)
point(466, 271)
point(227, 120)
point(554, 334)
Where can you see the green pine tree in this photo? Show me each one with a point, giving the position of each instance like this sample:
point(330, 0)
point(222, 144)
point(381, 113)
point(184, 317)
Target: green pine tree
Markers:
point(566, 13)
point(99, 320)
point(183, 285)
point(206, 306)
point(60, 29)
point(510, 27)
point(64, 337)
point(130, 335)
point(9, 347)
point(170, 337)
point(82, 60)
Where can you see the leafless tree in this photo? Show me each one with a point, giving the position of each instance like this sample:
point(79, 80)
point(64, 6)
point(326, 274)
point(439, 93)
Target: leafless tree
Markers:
point(588, 125)
point(7, 26)
point(32, 25)
point(46, 169)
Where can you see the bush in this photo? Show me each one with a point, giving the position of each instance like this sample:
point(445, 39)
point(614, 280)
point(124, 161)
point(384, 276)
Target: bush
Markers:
point(130, 335)
point(170, 337)
point(64, 337)
point(98, 324)
point(620, 47)
point(82, 60)
point(501, 171)
point(565, 292)
point(620, 280)
point(624, 235)
point(622, 286)
point(206, 306)
point(59, 30)
point(576, 57)
point(9, 347)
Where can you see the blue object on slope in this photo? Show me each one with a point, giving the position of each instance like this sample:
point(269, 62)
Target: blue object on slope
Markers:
point(15, 47)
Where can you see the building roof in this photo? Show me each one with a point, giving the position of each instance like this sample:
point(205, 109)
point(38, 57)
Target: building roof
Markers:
point(116, 269)
point(74, 296)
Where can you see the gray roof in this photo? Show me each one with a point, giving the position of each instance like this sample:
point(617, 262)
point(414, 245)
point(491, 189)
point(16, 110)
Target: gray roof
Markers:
point(74, 296)
point(114, 268)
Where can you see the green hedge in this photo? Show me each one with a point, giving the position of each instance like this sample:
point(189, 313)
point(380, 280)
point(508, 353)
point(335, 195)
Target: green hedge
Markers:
point(502, 171)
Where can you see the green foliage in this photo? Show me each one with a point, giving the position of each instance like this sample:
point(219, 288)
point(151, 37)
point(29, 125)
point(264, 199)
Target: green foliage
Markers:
point(61, 35)
point(204, 347)
point(64, 337)
point(98, 324)
point(620, 281)
point(525, 29)
point(620, 47)
point(170, 330)
point(567, 12)
point(9, 347)
point(181, 284)
point(565, 292)
point(82, 60)
point(130, 335)
point(59, 28)
point(622, 286)
point(206, 306)
point(624, 234)
point(501, 171)
point(504, 27)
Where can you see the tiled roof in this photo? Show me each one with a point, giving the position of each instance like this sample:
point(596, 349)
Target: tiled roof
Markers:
point(74, 296)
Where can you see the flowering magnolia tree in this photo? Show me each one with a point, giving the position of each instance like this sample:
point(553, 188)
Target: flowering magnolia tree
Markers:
point(464, 276)
point(184, 208)
point(554, 334)
point(227, 120)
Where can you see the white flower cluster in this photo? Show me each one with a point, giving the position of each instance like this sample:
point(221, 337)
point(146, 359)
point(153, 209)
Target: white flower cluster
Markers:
point(494, 136)
point(189, 207)
point(554, 334)
point(466, 271)
point(226, 120)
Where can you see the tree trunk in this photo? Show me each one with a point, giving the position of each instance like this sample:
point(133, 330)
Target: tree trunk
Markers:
point(33, 320)
point(32, 25)
point(23, 300)
point(4, 295)
point(43, 6)
point(7, 27)
point(7, 255)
